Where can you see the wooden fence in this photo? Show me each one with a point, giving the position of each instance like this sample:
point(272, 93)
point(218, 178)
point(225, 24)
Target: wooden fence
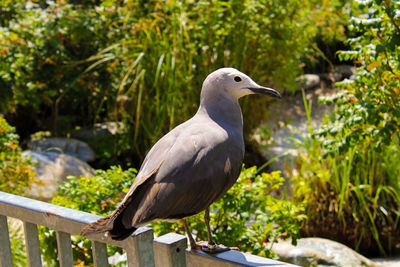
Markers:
point(142, 250)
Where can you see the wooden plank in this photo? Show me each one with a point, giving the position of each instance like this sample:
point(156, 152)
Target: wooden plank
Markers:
point(195, 258)
point(64, 249)
point(169, 250)
point(32, 244)
point(5, 246)
point(99, 252)
point(139, 246)
point(55, 217)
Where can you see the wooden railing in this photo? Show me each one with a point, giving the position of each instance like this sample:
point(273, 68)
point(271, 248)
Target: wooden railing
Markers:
point(141, 248)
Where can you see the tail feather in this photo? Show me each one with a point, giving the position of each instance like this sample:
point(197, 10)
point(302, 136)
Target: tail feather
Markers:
point(100, 226)
point(111, 224)
point(122, 233)
point(119, 231)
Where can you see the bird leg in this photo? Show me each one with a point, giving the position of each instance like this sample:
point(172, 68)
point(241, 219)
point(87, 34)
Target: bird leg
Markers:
point(206, 246)
point(193, 244)
point(211, 247)
point(207, 222)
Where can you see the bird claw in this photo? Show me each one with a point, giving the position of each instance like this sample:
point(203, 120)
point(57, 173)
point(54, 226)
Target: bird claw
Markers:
point(212, 248)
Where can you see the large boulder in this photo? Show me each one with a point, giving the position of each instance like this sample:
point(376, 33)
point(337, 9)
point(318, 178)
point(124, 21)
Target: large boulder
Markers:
point(51, 169)
point(67, 146)
point(314, 251)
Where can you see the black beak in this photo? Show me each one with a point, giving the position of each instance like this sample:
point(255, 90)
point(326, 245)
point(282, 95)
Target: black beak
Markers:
point(265, 91)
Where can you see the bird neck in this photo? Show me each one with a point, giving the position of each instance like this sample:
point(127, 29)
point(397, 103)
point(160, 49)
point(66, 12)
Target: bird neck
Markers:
point(223, 110)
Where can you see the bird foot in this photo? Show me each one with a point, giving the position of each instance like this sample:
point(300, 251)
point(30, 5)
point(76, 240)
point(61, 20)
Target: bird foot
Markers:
point(212, 248)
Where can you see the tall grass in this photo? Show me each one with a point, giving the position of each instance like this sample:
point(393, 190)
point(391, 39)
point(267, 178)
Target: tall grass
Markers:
point(171, 46)
point(351, 196)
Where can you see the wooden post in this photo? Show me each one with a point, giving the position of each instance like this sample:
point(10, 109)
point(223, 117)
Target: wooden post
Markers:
point(5, 246)
point(169, 250)
point(99, 252)
point(139, 248)
point(64, 249)
point(32, 244)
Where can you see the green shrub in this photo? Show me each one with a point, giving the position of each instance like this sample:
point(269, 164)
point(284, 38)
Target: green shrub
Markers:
point(16, 172)
point(42, 64)
point(349, 175)
point(8, 9)
point(98, 194)
point(16, 177)
point(368, 109)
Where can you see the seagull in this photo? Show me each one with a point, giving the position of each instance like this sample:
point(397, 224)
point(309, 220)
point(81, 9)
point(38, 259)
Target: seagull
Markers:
point(191, 166)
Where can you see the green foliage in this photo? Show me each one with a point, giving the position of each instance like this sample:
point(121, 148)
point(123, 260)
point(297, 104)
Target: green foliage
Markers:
point(16, 172)
point(98, 194)
point(252, 215)
point(65, 64)
point(8, 9)
point(349, 175)
point(42, 52)
point(174, 45)
point(352, 197)
point(326, 23)
point(16, 176)
point(368, 111)
point(8, 137)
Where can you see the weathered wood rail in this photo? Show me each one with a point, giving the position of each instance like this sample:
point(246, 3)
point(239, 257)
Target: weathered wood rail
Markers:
point(141, 248)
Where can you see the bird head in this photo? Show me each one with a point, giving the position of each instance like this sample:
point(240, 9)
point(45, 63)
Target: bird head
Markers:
point(233, 83)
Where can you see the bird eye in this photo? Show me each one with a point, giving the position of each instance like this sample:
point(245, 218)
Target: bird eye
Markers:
point(237, 79)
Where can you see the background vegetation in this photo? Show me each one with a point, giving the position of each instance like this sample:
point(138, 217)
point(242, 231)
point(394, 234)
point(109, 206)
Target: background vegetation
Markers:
point(66, 65)
point(16, 177)
point(349, 175)
point(15, 171)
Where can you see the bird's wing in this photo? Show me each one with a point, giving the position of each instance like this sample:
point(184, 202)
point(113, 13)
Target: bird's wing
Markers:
point(151, 164)
point(202, 163)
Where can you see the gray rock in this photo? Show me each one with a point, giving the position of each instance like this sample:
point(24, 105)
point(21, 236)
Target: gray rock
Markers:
point(388, 262)
point(67, 146)
point(332, 77)
point(99, 130)
point(335, 76)
point(309, 81)
point(346, 70)
point(52, 168)
point(300, 256)
point(320, 252)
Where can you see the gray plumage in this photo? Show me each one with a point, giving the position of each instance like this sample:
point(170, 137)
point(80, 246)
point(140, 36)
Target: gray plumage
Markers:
point(192, 165)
